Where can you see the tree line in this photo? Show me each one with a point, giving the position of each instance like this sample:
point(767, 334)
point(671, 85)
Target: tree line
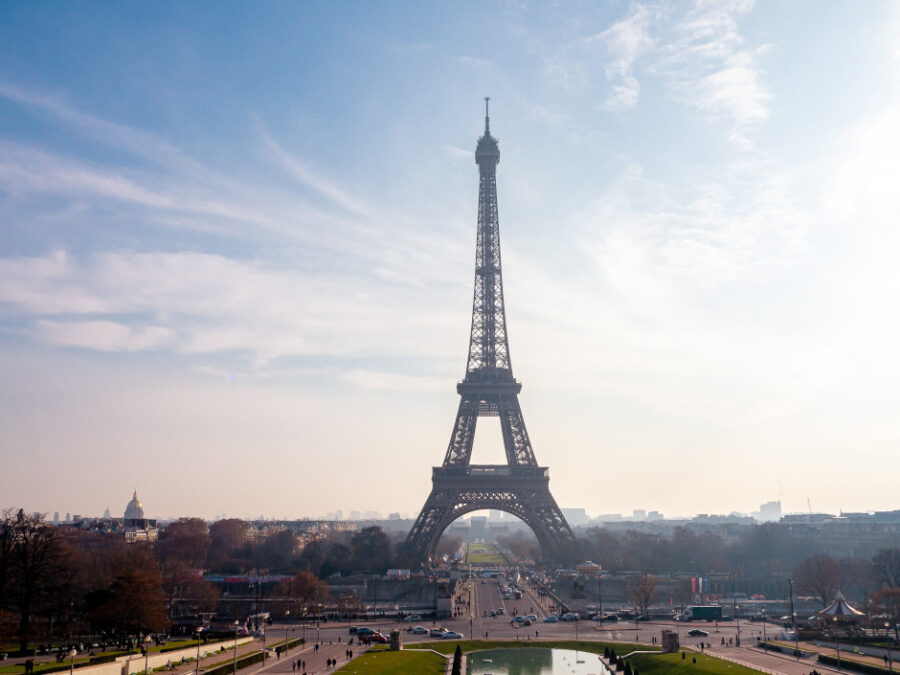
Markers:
point(57, 583)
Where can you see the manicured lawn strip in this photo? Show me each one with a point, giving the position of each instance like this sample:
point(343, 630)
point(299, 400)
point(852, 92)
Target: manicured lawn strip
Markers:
point(449, 646)
point(396, 663)
point(673, 664)
point(19, 668)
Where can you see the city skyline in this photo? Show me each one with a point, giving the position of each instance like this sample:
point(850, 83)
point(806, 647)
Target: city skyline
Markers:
point(236, 254)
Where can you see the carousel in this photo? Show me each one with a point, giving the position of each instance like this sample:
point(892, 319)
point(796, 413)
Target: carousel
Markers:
point(840, 615)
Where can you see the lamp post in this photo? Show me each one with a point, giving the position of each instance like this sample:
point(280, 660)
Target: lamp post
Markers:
point(765, 639)
point(147, 641)
point(287, 616)
point(887, 625)
point(737, 639)
point(199, 630)
point(600, 594)
point(72, 652)
point(234, 662)
point(794, 622)
point(837, 643)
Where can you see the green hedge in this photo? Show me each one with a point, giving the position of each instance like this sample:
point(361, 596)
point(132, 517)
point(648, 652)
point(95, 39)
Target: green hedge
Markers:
point(282, 646)
point(242, 662)
point(784, 650)
point(850, 664)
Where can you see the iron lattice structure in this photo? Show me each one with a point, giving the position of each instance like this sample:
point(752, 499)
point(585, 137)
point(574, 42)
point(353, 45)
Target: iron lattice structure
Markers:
point(519, 487)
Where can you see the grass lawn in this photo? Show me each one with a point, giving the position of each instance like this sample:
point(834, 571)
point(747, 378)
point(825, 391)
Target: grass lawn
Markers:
point(449, 646)
point(673, 664)
point(484, 554)
point(396, 663)
point(18, 669)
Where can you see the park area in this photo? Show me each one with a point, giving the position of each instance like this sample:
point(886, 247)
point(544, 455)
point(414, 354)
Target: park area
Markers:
point(420, 658)
point(484, 554)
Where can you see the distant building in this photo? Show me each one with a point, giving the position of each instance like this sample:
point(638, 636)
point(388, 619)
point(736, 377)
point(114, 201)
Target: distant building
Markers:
point(639, 514)
point(478, 528)
point(138, 528)
point(769, 512)
point(576, 517)
point(56, 517)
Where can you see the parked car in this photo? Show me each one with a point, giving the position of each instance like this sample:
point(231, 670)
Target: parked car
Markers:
point(518, 619)
point(696, 632)
point(452, 635)
point(364, 631)
point(437, 632)
point(492, 613)
point(501, 611)
point(353, 630)
point(420, 630)
point(570, 616)
point(415, 617)
point(551, 618)
point(531, 617)
point(527, 622)
point(378, 637)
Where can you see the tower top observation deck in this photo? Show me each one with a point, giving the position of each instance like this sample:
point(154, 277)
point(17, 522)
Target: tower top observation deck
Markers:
point(487, 153)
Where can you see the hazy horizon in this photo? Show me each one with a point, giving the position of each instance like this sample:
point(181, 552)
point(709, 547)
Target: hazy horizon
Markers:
point(237, 251)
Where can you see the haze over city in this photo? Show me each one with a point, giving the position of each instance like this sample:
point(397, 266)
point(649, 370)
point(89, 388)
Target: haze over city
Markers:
point(237, 248)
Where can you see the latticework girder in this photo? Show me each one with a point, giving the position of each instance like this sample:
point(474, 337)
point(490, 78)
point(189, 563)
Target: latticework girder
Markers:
point(490, 390)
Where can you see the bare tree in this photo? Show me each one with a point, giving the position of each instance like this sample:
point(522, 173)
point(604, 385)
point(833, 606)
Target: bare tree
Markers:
point(36, 551)
point(305, 590)
point(819, 576)
point(641, 589)
point(887, 602)
point(886, 564)
point(7, 547)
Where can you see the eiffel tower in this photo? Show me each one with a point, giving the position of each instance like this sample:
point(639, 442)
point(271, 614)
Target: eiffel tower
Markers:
point(520, 486)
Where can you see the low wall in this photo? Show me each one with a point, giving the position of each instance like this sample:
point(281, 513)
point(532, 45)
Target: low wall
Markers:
point(127, 665)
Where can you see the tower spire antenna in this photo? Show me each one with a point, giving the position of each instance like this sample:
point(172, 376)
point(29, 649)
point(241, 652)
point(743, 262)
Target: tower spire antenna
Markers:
point(487, 117)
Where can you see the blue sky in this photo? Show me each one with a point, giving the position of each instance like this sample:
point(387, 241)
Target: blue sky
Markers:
point(237, 241)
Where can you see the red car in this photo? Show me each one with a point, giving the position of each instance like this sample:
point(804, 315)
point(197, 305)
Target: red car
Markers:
point(378, 637)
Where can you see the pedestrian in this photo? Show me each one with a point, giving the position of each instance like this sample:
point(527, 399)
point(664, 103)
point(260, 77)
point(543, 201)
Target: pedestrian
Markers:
point(293, 665)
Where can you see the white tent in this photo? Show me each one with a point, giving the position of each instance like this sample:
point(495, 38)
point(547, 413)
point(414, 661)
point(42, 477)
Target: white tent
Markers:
point(840, 610)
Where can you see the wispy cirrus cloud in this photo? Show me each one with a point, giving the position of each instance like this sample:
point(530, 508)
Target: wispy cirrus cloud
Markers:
point(711, 68)
point(197, 303)
point(625, 42)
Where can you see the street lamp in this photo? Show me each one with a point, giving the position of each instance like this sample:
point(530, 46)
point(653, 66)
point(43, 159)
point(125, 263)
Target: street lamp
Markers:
point(147, 641)
point(765, 639)
point(890, 659)
point(794, 622)
point(73, 653)
point(199, 630)
point(600, 594)
point(235, 646)
point(737, 639)
point(287, 615)
point(837, 643)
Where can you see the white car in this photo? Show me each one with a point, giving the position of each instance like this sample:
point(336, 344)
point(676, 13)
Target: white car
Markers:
point(420, 630)
point(451, 635)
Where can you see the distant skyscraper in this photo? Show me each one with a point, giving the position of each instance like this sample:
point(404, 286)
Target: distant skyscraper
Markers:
point(576, 516)
point(639, 514)
point(56, 516)
point(770, 511)
point(68, 518)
